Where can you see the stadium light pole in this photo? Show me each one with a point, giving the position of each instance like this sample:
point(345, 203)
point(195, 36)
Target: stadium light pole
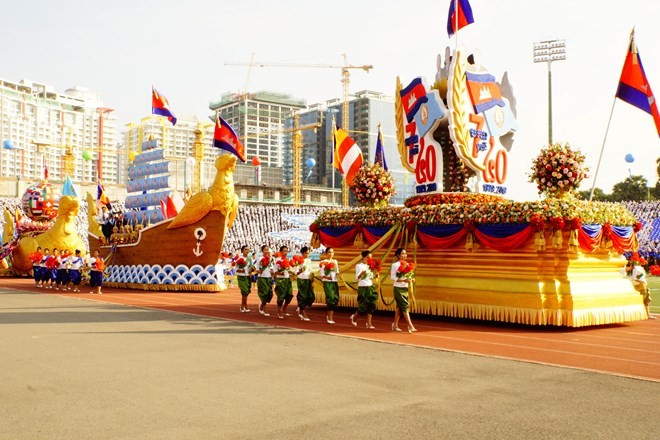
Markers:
point(547, 52)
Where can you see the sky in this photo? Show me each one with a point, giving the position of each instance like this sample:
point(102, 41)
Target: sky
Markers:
point(121, 48)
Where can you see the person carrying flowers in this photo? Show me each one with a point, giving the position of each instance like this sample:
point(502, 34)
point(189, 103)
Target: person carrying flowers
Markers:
point(264, 281)
point(329, 274)
point(283, 285)
point(366, 271)
point(36, 258)
point(243, 265)
point(402, 273)
point(639, 281)
point(302, 266)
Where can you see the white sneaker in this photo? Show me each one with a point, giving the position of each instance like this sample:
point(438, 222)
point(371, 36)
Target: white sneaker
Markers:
point(329, 321)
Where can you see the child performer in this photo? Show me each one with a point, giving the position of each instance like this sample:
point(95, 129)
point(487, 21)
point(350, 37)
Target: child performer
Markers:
point(264, 280)
point(43, 270)
point(96, 272)
point(283, 285)
point(76, 263)
point(52, 263)
point(62, 278)
point(36, 258)
point(329, 274)
point(305, 296)
point(366, 296)
point(244, 267)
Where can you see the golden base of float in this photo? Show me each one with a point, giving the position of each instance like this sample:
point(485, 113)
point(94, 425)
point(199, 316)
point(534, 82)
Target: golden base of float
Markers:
point(525, 286)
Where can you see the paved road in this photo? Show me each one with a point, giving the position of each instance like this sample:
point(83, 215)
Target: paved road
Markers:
point(76, 369)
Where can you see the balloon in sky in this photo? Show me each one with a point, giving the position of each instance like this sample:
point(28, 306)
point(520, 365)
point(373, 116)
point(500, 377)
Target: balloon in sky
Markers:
point(8, 145)
point(256, 161)
point(87, 155)
point(630, 158)
point(310, 162)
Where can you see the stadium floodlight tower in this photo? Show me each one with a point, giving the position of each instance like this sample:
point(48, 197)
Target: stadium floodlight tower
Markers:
point(547, 52)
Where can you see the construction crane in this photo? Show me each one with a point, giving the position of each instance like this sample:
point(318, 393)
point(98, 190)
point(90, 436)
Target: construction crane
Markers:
point(345, 81)
point(297, 146)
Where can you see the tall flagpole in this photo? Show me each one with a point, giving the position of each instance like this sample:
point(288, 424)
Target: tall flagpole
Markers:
point(602, 149)
point(332, 165)
point(456, 28)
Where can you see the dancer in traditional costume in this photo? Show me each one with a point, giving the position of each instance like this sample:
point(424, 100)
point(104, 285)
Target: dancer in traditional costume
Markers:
point(304, 278)
point(283, 285)
point(244, 267)
point(264, 281)
point(401, 275)
point(43, 270)
point(329, 275)
point(96, 266)
point(36, 258)
point(367, 296)
point(76, 262)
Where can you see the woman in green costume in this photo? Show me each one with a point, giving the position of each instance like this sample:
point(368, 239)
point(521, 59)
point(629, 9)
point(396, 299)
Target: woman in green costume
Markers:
point(305, 295)
point(264, 280)
point(329, 275)
point(401, 290)
point(244, 267)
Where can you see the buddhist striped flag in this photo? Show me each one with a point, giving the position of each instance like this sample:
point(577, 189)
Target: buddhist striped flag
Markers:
point(348, 156)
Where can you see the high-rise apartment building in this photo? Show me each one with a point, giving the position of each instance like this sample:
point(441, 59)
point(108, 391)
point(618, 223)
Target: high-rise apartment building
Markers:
point(367, 111)
point(258, 120)
point(40, 126)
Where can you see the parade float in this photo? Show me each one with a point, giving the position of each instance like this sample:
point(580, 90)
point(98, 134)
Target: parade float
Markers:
point(478, 255)
point(47, 220)
point(168, 254)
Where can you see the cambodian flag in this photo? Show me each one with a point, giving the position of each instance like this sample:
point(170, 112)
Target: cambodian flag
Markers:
point(460, 15)
point(225, 138)
point(379, 156)
point(160, 106)
point(412, 98)
point(484, 91)
point(634, 88)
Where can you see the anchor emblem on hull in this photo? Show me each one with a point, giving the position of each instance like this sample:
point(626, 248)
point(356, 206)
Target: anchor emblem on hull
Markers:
point(200, 234)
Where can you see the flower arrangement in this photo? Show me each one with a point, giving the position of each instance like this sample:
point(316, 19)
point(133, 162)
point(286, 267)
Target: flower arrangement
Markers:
point(296, 262)
point(572, 211)
point(444, 198)
point(327, 267)
point(239, 262)
point(265, 262)
point(373, 185)
point(558, 170)
point(406, 270)
point(374, 265)
point(655, 270)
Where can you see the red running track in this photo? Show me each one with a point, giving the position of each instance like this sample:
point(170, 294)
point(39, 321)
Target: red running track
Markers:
point(630, 349)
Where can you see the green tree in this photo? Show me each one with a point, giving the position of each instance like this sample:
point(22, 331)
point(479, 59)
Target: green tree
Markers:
point(599, 195)
point(633, 188)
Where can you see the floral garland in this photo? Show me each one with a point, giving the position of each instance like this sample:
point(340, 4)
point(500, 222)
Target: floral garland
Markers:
point(558, 170)
point(572, 211)
point(451, 197)
point(372, 185)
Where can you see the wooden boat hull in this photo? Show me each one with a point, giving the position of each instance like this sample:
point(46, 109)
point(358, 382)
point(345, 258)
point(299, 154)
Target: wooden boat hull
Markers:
point(159, 249)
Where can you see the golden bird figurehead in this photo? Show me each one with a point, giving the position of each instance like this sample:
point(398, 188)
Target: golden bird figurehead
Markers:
point(225, 162)
point(69, 207)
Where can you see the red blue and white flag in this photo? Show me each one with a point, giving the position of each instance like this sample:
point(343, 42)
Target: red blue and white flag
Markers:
point(633, 87)
point(484, 91)
point(412, 98)
point(225, 138)
point(379, 156)
point(160, 106)
point(460, 15)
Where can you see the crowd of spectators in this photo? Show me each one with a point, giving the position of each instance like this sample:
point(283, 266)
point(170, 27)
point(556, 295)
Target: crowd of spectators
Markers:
point(258, 225)
point(255, 225)
point(647, 212)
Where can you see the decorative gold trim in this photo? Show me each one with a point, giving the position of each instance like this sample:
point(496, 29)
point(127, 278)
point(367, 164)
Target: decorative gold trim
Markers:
point(400, 127)
point(458, 126)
